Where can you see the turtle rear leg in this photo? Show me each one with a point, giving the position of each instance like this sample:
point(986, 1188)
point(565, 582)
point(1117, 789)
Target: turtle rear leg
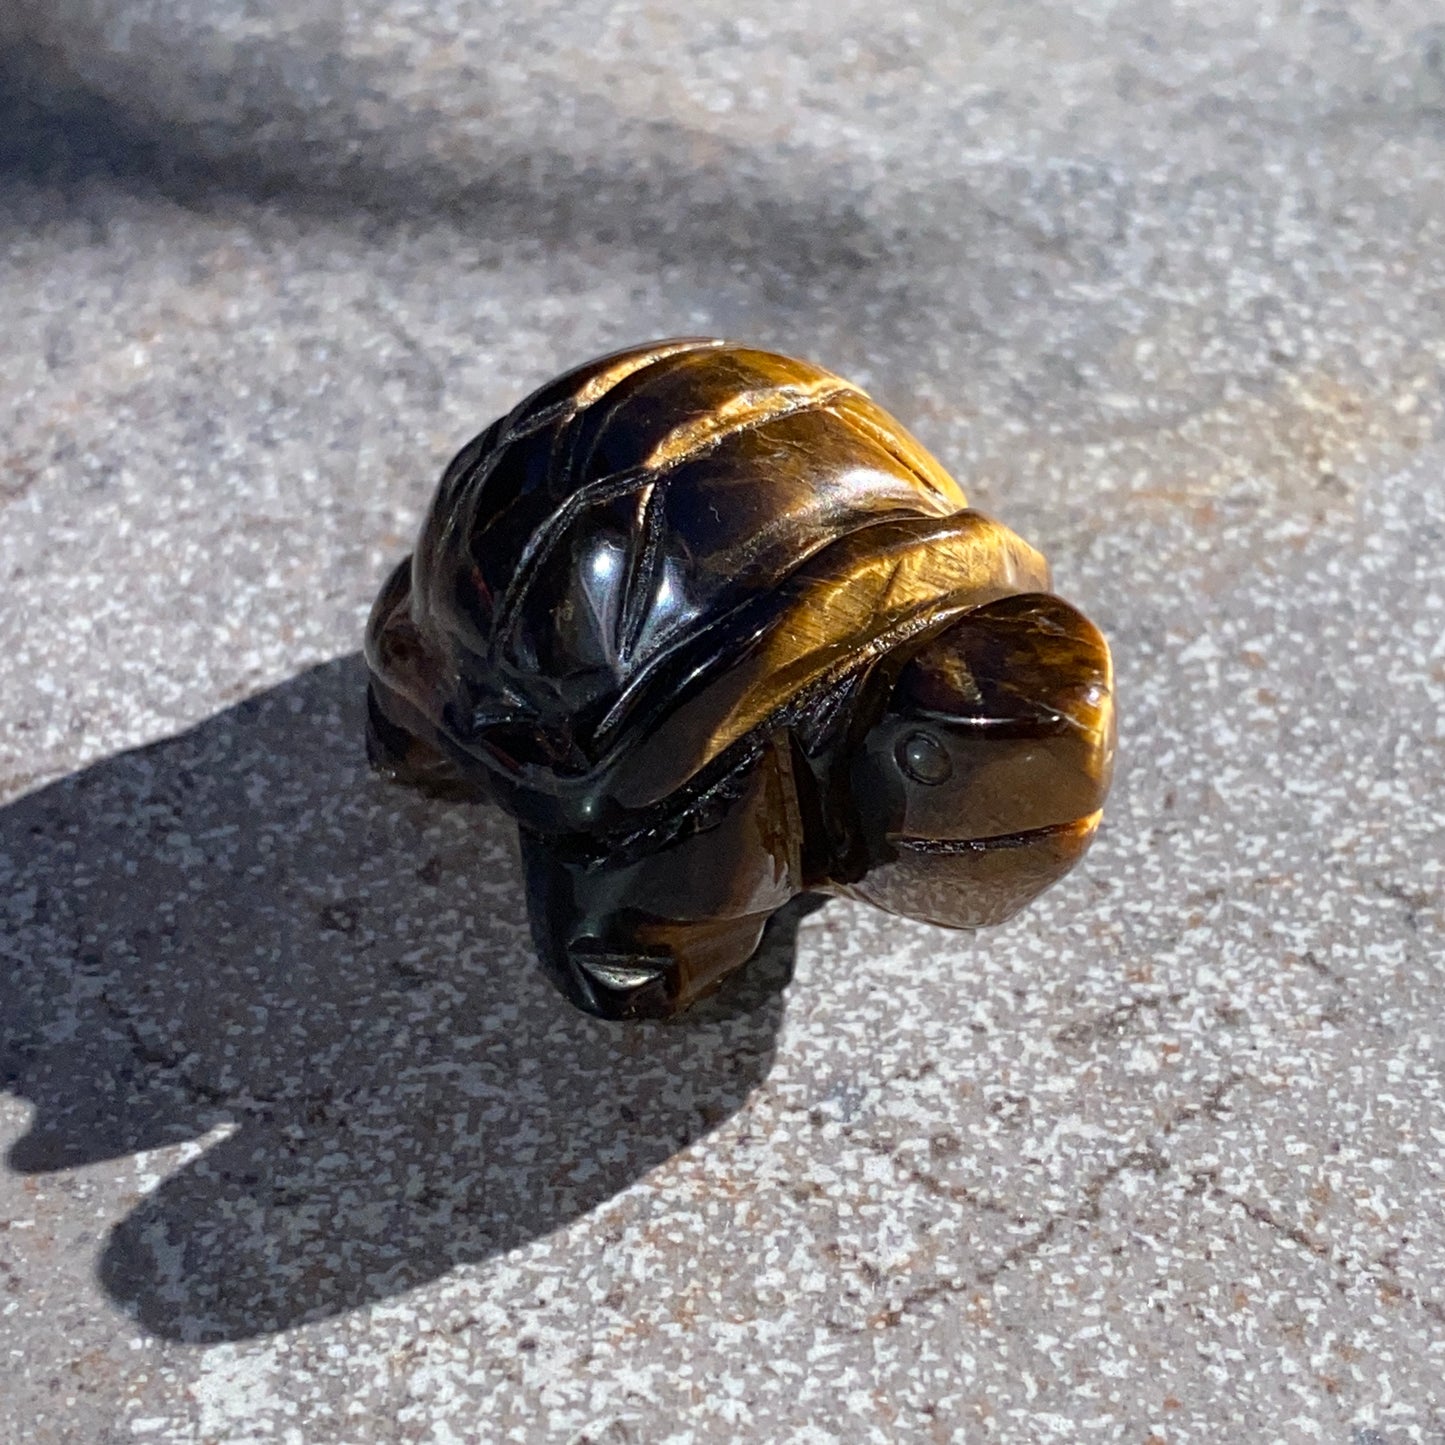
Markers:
point(616, 960)
point(402, 746)
point(401, 742)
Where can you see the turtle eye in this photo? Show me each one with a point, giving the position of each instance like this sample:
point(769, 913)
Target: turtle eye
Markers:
point(924, 758)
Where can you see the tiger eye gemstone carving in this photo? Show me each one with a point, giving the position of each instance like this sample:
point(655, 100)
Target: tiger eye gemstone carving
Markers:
point(717, 631)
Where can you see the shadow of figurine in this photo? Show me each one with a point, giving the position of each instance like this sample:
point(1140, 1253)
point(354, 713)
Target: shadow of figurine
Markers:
point(240, 926)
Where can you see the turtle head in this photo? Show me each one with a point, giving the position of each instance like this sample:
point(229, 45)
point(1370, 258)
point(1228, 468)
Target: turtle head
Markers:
point(982, 780)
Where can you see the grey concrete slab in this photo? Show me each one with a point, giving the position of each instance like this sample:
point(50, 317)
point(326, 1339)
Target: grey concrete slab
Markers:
point(299, 1146)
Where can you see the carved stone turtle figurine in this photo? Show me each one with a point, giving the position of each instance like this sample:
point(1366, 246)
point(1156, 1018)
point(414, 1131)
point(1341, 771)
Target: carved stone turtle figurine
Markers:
point(717, 631)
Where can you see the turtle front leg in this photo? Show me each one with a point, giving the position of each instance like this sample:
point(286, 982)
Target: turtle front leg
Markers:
point(616, 960)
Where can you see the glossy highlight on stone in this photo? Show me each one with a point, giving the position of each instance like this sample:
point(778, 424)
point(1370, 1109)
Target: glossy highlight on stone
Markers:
point(717, 632)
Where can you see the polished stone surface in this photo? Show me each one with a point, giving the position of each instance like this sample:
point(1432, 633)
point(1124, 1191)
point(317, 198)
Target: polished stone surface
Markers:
point(715, 630)
point(299, 1144)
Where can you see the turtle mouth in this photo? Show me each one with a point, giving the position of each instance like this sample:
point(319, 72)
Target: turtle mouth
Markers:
point(973, 882)
point(1078, 829)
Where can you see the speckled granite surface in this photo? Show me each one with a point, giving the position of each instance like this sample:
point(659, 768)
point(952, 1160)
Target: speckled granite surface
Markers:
point(300, 1145)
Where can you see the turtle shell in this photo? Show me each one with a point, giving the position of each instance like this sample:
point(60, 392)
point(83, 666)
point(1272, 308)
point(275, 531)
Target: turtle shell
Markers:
point(625, 578)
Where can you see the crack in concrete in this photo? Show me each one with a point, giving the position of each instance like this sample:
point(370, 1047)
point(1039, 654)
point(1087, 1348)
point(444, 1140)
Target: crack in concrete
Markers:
point(1149, 1158)
point(1113, 1022)
point(1313, 960)
point(937, 1189)
point(1385, 1279)
point(173, 1063)
point(1413, 901)
point(167, 1061)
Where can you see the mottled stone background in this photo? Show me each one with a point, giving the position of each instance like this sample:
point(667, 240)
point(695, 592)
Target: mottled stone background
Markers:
point(298, 1144)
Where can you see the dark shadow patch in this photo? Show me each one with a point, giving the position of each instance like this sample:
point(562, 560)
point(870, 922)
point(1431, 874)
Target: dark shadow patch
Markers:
point(609, 185)
point(239, 925)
